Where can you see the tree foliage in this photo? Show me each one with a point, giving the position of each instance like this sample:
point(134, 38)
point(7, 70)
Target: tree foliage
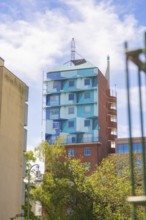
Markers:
point(29, 158)
point(67, 191)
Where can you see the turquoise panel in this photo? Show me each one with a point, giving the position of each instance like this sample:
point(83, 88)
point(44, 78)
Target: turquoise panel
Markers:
point(69, 74)
point(69, 126)
point(87, 72)
point(69, 85)
point(84, 111)
point(86, 97)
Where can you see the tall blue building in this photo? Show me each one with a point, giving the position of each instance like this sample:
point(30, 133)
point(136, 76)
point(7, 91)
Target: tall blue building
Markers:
point(80, 108)
point(71, 103)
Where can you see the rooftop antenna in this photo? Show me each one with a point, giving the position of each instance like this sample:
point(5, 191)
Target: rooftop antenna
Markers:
point(107, 74)
point(72, 49)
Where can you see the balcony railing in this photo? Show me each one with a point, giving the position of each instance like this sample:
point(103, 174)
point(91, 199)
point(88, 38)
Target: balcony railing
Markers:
point(75, 141)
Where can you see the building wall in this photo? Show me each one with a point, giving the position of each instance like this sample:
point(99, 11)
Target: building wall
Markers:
point(13, 95)
point(102, 105)
point(71, 98)
point(122, 145)
point(95, 136)
point(92, 159)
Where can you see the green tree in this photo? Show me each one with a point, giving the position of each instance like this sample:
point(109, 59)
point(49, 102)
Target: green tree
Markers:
point(64, 192)
point(68, 192)
point(29, 158)
point(111, 183)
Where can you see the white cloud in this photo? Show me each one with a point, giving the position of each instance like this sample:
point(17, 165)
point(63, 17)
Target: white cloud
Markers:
point(134, 99)
point(31, 46)
point(134, 109)
point(39, 40)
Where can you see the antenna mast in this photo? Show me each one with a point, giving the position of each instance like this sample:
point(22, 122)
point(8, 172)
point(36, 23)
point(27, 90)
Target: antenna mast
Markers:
point(107, 74)
point(72, 49)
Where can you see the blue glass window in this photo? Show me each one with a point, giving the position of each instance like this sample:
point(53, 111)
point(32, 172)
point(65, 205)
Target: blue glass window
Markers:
point(87, 123)
point(135, 148)
point(126, 148)
point(56, 125)
point(54, 98)
point(87, 82)
point(71, 83)
point(71, 96)
point(54, 111)
point(139, 148)
point(71, 152)
point(87, 151)
point(120, 148)
point(71, 139)
point(87, 95)
point(56, 84)
point(71, 124)
point(71, 110)
point(87, 109)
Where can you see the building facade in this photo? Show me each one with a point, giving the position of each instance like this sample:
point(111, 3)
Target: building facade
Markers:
point(122, 145)
point(13, 119)
point(80, 108)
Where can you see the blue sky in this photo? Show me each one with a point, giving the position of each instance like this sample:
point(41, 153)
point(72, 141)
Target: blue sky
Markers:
point(35, 37)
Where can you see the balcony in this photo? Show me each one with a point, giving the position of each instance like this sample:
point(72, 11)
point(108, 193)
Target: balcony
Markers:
point(112, 124)
point(112, 137)
point(112, 99)
point(112, 112)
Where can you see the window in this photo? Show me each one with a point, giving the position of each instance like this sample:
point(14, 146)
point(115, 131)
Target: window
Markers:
point(87, 151)
point(87, 123)
point(54, 111)
point(56, 84)
point(71, 110)
point(71, 96)
point(120, 149)
point(87, 95)
point(114, 132)
point(87, 138)
point(87, 82)
point(126, 148)
point(87, 109)
point(71, 152)
point(134, 148)
point(113, 119)
point(56, 125)
point(71, 124)
point(71, 139)
point(53, 139)
point(112, 144)
point(139, 148)
point(71, 83)
point(54, 98)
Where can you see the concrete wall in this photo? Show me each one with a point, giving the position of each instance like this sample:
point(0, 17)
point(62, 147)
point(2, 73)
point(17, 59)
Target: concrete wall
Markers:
point(13, 93)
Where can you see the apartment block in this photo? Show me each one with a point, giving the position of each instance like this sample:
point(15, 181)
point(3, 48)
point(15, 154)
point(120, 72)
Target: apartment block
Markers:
point(79, 107)
point(13, 122)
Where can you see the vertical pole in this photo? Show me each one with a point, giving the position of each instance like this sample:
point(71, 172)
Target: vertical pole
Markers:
point(142, 130)
point(28, 192)
point(142, 135)
point(145, 66)
point(145, 50)
point(130, 134)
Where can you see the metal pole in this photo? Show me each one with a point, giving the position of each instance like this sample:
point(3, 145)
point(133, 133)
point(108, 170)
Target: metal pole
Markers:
point(130, 134)
point(28, 189)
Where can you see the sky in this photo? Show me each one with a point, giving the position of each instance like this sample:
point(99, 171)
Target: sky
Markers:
point(35, 37)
